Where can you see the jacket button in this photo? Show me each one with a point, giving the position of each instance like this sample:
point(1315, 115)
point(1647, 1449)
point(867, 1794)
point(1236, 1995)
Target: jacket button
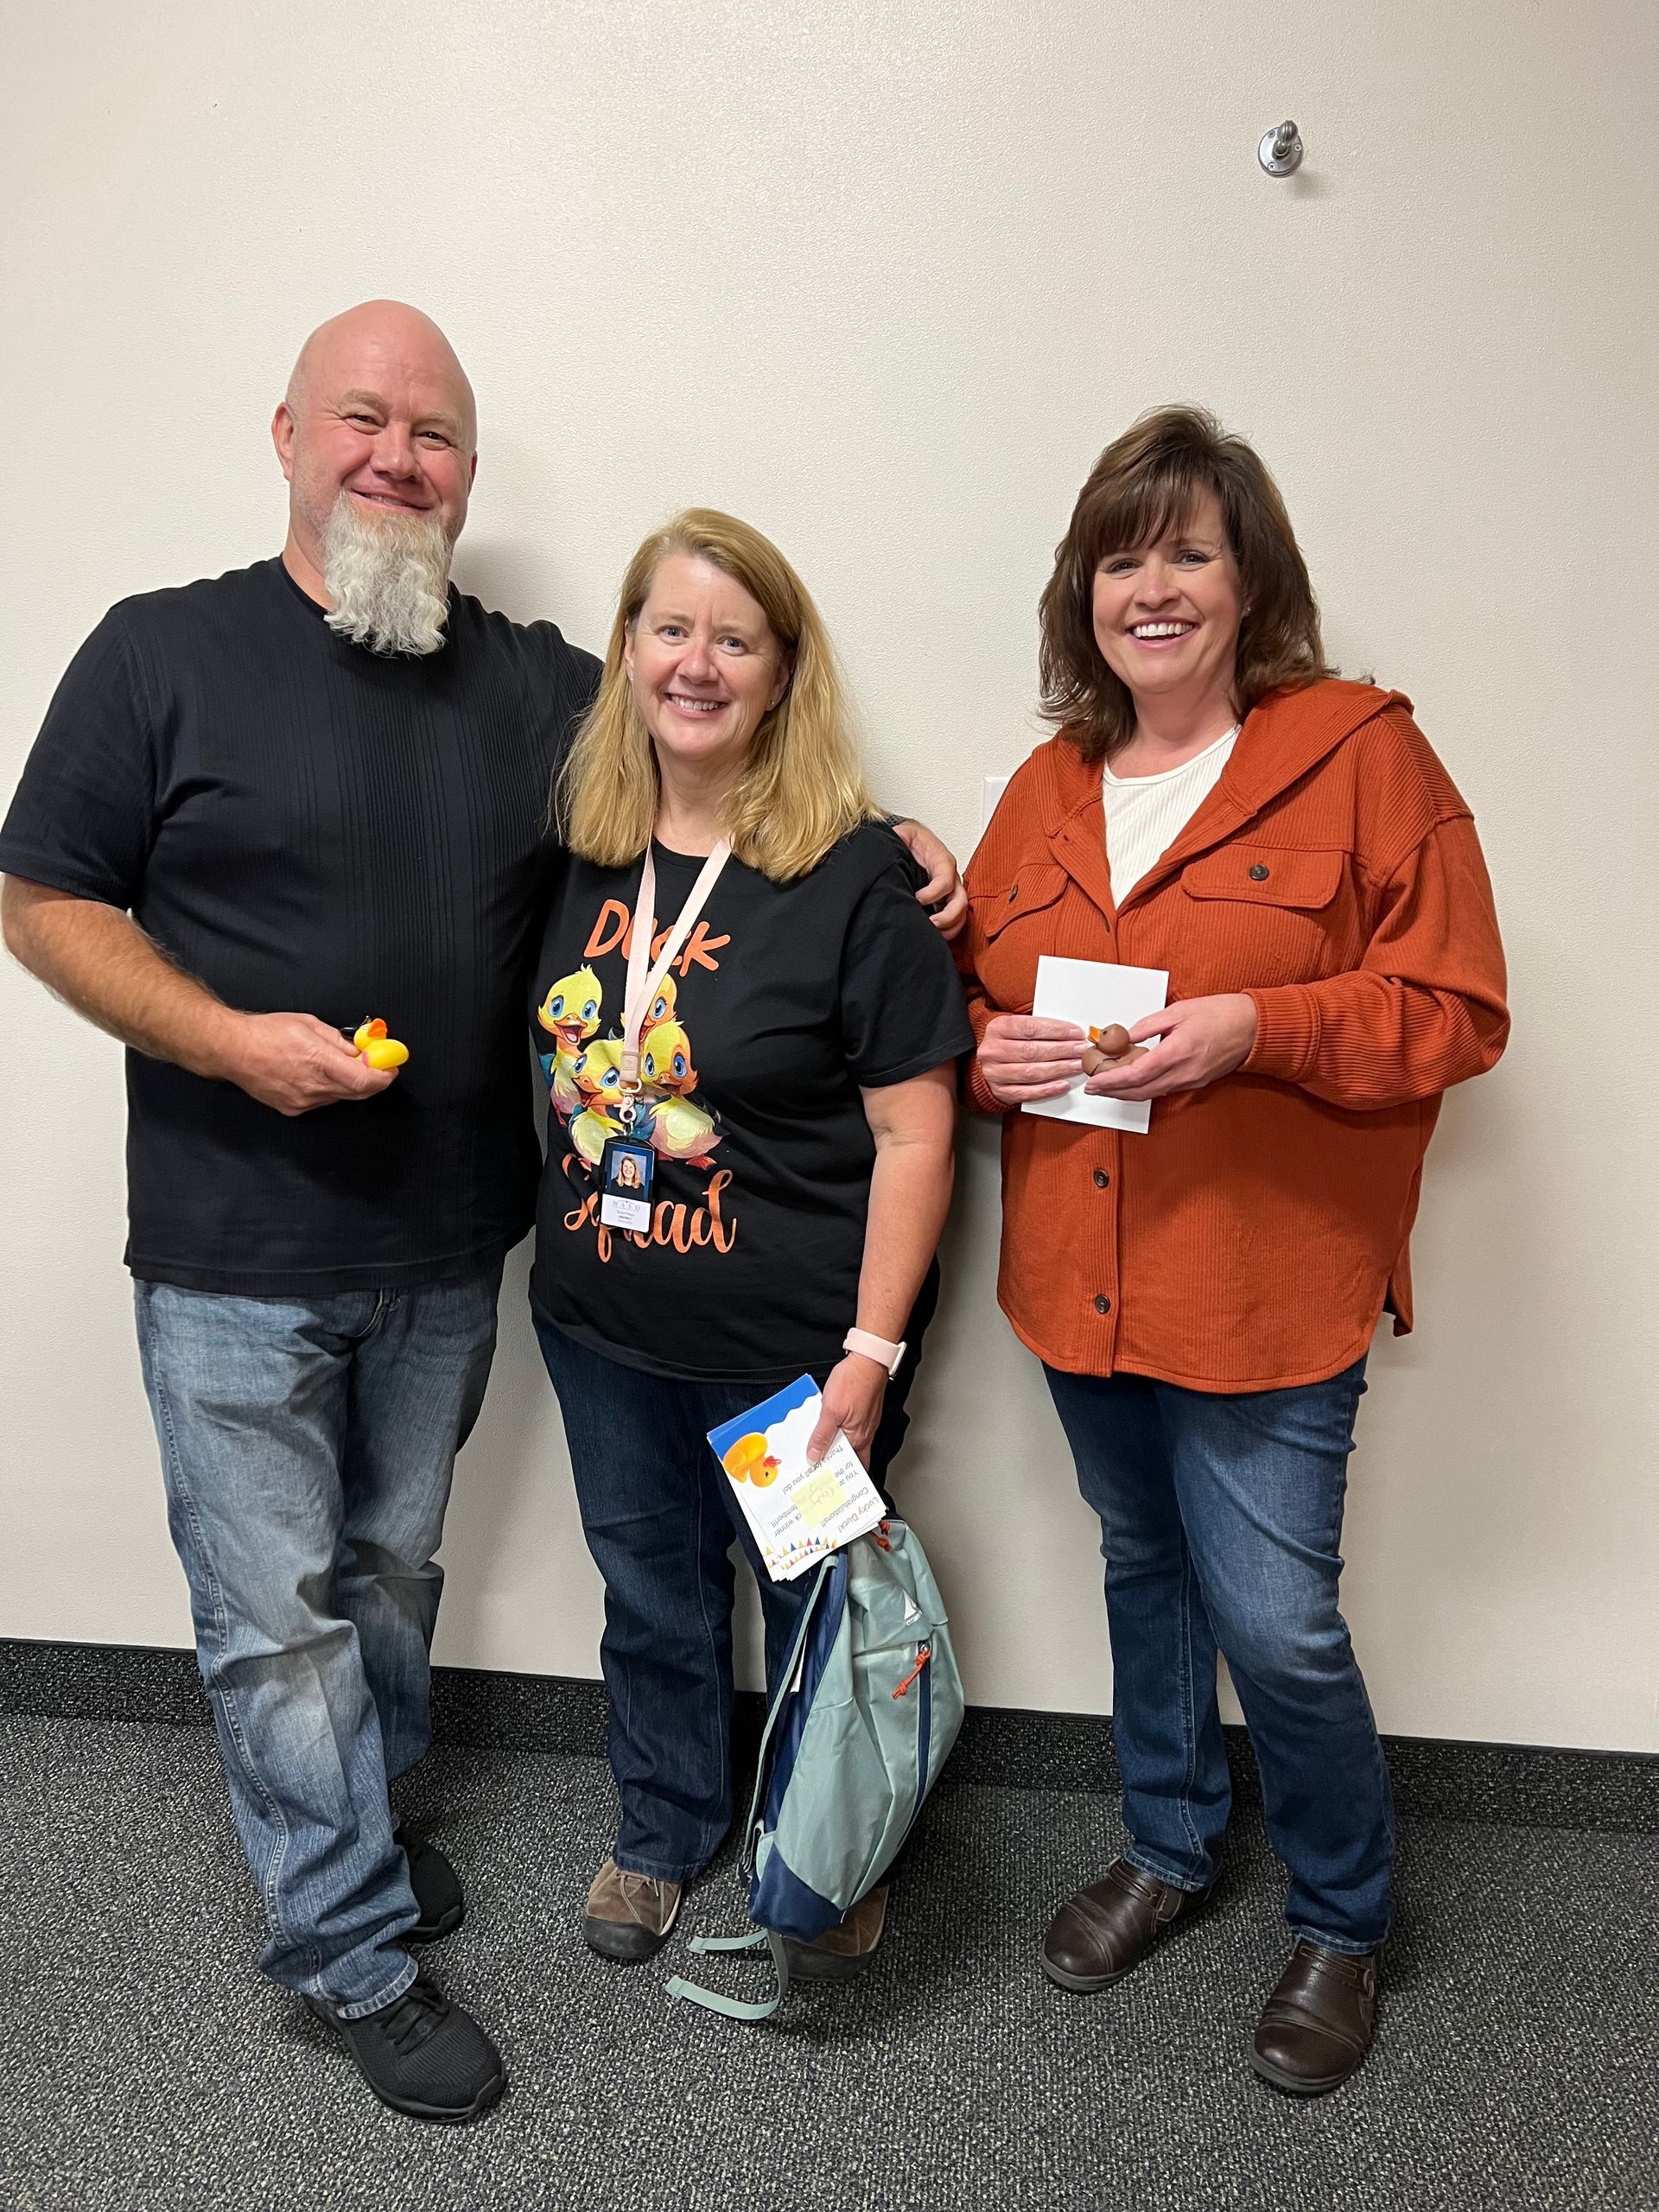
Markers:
point(1258, 874)
point(1101, 1179)
point(1103, 1305)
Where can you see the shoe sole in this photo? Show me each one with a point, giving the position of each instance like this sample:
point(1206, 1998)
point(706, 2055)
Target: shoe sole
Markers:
point(625, 1943)
point(439, 1930)
point(440, 2115)
point(1088, 1984)
point(1293, 2085)
point(808, 1964)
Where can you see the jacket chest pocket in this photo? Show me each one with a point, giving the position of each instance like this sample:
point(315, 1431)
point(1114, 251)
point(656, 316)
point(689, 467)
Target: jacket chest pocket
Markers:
point(1013, 927)
point(1260, 915)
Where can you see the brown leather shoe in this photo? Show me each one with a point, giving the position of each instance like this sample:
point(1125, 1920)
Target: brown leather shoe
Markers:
point(1098, 1935)
point(846, 1948)
point(1317, 2026)
point(628, 1917)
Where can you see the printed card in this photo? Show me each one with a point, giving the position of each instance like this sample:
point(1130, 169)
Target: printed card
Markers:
point(1095, 994)
point(797, 1513)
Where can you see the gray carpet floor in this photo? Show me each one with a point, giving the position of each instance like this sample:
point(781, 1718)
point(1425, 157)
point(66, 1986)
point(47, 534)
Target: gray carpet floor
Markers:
point(147, 2067)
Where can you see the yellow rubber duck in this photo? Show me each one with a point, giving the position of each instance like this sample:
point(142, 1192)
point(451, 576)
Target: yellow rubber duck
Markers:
point(377, 1048)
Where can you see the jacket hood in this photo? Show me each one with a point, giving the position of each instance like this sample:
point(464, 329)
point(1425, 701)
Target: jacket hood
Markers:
point(1281, 739)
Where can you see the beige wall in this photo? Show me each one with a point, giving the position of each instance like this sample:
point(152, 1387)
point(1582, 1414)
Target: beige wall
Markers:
point(884, 279)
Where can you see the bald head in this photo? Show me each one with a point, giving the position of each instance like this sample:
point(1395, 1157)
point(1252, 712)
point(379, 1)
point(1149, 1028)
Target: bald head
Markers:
point(392, 339)
point(378, 422)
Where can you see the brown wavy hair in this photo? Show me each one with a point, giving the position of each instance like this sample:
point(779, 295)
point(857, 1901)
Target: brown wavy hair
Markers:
point(1146, 483)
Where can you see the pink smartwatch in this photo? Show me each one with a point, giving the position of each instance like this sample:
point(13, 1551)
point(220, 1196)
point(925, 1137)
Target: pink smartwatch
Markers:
point(876, 1348)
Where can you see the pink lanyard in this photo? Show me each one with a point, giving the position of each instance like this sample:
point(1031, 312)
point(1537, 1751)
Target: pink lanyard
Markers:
point(643, 986)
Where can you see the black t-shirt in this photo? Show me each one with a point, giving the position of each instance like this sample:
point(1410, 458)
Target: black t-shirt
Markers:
point(312, 827)
point(785, 999)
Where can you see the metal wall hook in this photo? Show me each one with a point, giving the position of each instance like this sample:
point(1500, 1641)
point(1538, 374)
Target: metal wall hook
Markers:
point(1281, 150)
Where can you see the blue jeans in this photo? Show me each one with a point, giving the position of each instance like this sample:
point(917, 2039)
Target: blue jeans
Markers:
point(1221, 1516)
point(659, 1517)
point(307, 1447)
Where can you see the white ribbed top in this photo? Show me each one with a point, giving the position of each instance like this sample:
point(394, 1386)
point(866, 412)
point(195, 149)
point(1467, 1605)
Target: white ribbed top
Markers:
point(1146, 814)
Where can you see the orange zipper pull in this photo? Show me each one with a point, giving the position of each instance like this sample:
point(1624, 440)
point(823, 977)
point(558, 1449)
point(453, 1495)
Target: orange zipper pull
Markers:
point(924, 1654)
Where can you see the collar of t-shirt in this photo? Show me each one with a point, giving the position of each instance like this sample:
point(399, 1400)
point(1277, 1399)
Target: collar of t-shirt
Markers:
point(1146, 814)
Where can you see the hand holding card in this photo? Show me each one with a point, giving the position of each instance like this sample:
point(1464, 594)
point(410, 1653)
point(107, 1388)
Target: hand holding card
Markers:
point(1105, 1002)
point(798, 1509)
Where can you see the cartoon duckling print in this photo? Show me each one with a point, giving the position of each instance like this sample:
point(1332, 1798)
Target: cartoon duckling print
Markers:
point(569, 1014)
point(666, 1057)
point(675, 1127)
point(596, 1077)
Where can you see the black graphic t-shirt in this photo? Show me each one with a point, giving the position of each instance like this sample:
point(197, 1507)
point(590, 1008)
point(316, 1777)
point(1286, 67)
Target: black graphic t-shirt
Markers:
point(312, 827)
point(785, 1001)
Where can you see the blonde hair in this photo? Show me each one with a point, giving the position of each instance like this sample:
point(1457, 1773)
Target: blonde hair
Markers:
point(802, 788)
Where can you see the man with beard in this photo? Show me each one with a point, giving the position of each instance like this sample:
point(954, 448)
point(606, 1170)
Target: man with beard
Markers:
point(319, 783)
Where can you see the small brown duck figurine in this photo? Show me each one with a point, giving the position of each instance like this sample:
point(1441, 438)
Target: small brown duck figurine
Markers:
point(1109, 1048)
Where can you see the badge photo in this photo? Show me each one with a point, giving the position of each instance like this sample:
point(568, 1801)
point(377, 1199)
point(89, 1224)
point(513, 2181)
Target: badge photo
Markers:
point(626, 1168)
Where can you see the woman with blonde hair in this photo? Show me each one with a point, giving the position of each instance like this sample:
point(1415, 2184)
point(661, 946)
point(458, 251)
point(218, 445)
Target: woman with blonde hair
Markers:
point(737, 983)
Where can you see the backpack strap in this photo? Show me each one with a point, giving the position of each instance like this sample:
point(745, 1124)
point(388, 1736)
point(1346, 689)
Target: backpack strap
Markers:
point(762, 1764)
point(734, 2008)
point(758, 1939)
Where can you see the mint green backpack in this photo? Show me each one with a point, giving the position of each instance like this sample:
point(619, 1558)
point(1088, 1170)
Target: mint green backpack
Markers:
point(857, 1734)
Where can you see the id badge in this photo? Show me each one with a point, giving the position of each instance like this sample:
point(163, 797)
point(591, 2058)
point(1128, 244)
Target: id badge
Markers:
point(626, 1169)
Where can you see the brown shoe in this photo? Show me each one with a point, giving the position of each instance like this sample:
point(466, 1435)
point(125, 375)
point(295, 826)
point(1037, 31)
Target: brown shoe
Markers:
point(1098, 1935)
point(629, 1916)
point(846, 1948)
point(1317, 2026)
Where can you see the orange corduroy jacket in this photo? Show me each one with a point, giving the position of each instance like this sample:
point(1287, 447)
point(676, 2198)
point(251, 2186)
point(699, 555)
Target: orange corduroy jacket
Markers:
point(1250, 1240)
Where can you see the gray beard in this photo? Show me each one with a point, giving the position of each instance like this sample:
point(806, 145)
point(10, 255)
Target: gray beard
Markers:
point(388, 577)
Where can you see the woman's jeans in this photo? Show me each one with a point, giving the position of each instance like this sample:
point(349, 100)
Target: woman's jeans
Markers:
point(308, 1446)
point(1221, 1515)
point(659, 1515)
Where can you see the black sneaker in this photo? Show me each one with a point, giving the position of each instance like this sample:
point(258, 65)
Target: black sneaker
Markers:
point(422, 2055)
point(437, 1886)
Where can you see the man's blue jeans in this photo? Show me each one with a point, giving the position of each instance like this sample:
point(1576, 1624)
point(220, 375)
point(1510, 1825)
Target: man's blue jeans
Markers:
point(307, 1447)
point(1221, 1516)
point(659, 1517)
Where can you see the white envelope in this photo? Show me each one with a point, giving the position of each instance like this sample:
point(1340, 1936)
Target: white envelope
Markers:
point(1095, 994)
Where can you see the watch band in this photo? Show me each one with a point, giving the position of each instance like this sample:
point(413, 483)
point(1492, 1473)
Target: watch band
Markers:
point(876, 1348)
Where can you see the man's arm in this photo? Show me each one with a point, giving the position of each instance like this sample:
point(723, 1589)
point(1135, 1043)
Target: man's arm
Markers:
point(98, 961)
point(942, 892)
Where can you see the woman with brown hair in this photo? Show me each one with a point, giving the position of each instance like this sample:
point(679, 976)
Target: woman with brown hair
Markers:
point(1203, 1295)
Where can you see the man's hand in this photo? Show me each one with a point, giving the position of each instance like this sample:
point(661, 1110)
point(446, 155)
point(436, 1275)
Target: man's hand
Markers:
point(294, 1063)
point(943, 889)
point(101, 962)
point(1027, 1056)
point(852, 1403)
point(1202, 1039)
